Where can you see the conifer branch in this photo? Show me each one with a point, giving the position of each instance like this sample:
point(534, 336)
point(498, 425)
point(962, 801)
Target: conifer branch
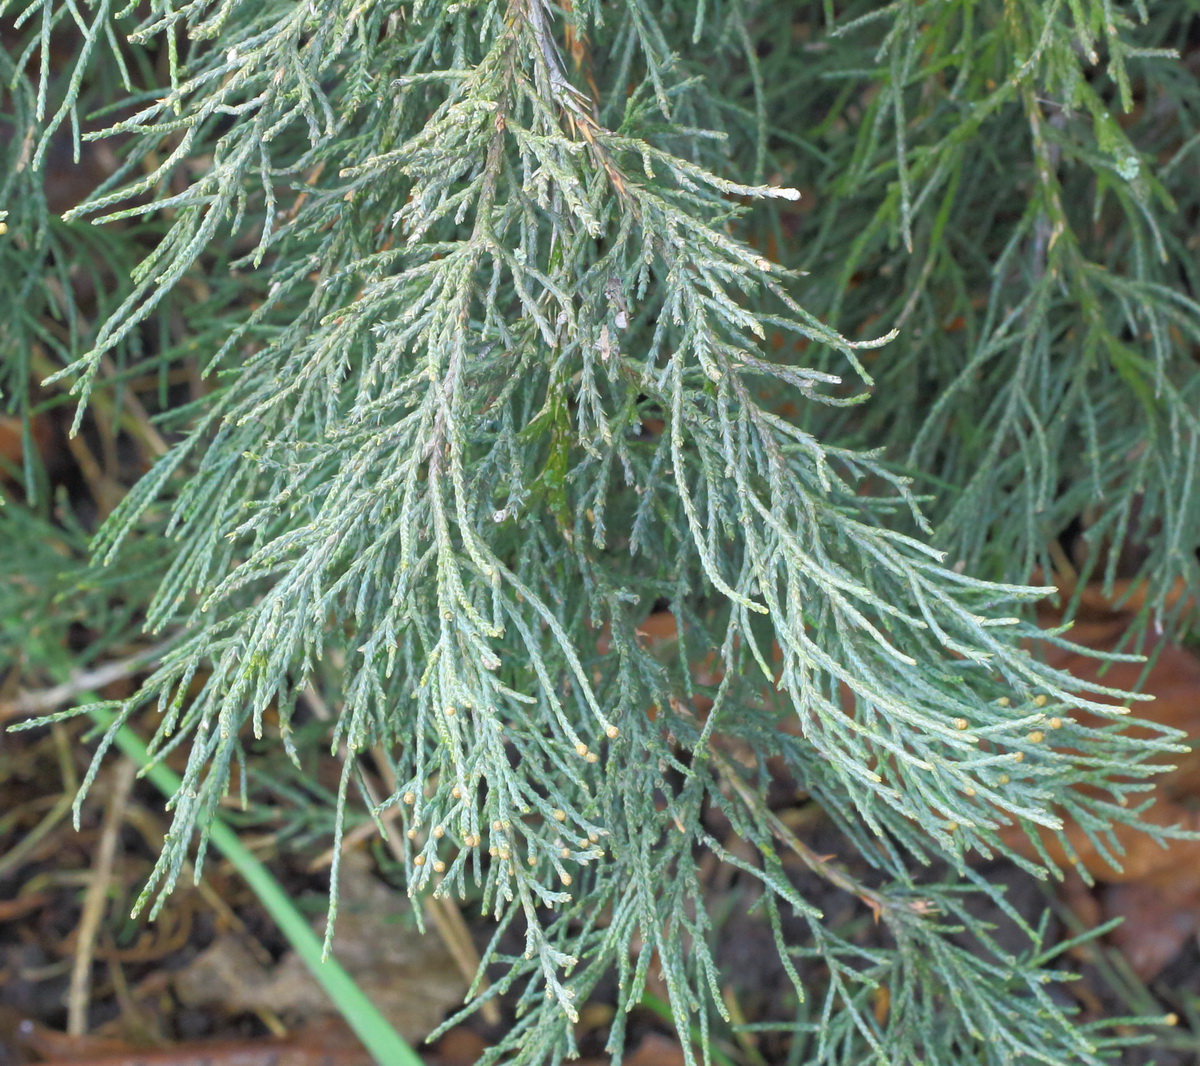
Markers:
point(494, 366)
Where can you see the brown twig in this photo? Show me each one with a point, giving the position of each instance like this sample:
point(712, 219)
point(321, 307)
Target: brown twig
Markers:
point(136, 414)
point(819, 864)
point(43, 701)
point(78, 993)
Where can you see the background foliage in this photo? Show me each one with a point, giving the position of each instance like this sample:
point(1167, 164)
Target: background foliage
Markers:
point(466, 334)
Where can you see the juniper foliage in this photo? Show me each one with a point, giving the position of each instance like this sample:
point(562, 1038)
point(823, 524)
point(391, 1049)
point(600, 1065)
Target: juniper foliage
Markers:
point(509, 325)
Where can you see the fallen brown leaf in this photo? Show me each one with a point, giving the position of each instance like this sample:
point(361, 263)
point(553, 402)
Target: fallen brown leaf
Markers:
point(411, 978)
point(11, 909)
point(1156, 888)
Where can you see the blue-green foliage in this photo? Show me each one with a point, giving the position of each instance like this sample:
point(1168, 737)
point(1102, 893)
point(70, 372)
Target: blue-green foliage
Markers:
point(512, 326)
